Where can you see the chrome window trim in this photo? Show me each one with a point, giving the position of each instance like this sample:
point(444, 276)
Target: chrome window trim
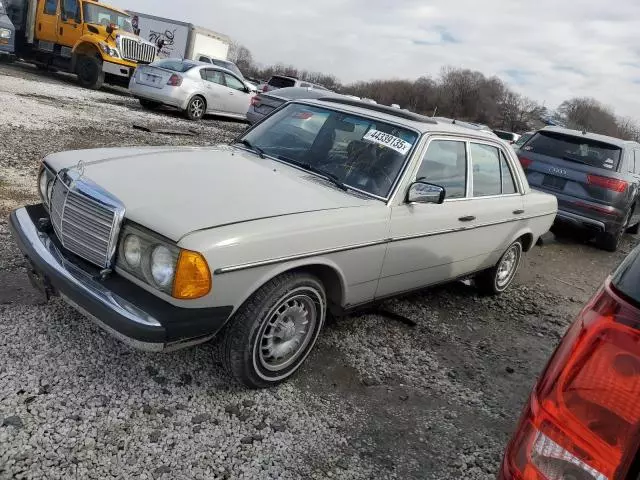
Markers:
point(328, 251)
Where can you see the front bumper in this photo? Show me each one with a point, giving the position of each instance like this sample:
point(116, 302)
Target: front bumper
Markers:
point(117, 69)
point(125, 310)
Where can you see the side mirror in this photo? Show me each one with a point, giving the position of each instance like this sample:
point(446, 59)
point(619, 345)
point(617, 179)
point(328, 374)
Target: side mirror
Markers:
point(110, 29)
point(421, 192)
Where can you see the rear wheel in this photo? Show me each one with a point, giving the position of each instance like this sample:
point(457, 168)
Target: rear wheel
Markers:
point(196, 108)
point(497, 279)
point(148, 104)
point(89, 71)
point(610, 241)
point(272, 334)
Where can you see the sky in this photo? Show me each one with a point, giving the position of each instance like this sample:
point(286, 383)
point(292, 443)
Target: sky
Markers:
point(548, 50)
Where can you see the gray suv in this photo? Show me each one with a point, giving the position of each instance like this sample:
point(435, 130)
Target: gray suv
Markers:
point(595, 178)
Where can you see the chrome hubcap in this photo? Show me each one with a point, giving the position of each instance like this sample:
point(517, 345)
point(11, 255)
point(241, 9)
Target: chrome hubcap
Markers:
point(507, 267)
point(288, 332)
point(197, 108)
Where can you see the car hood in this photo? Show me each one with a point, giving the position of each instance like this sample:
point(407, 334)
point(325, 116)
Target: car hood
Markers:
point(176, 191)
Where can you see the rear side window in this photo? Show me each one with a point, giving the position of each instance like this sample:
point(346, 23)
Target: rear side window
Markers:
point(486, 170)
point(50, 7)
point(575, 149)
point(71, 9)
point(213, 76)
point(445, 164)
point(174, 65)
point(281, 82)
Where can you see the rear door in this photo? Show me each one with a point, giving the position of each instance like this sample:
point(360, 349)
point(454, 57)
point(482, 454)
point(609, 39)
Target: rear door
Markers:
point(237, 98)
point(47, 24)
point(215, 89)
point(582, 173)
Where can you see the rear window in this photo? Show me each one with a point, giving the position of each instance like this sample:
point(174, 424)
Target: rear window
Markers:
point(281, 82)
point(174, 65)
point(575, 149)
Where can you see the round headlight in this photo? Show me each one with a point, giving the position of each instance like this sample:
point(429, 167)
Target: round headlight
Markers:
point(162, 266)
point(132, 250)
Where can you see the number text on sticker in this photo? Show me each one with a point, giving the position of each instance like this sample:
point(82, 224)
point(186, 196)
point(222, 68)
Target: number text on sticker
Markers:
point(387, 140)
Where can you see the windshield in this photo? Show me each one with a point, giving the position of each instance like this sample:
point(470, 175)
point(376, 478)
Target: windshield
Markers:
point(576, 149)
point(363, 153)
point(104, 16)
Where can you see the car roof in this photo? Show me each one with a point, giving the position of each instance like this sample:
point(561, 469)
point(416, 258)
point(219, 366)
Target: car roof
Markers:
point(412, 120)
point(283, 76)
point(618, 142)
point(294, 93)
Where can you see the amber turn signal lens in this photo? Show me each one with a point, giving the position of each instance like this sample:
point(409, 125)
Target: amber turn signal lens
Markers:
point(193, 278)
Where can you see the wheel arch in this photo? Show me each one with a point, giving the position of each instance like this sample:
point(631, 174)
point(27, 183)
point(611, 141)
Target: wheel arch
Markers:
point(327, 272)
point(192, 96)
point(85, 48)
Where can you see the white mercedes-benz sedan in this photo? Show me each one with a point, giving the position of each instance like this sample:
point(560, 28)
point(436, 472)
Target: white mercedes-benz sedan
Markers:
point(324, 207)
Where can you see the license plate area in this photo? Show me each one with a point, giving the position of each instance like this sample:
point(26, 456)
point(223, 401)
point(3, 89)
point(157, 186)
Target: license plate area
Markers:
point(556, 183)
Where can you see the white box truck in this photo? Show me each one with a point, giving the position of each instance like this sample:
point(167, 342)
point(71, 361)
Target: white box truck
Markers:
point(180, 39)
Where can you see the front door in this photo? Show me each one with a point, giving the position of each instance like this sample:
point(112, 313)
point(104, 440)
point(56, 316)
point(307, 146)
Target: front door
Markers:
point(237, 98)
point(69, 23)
point(215, 90)
point(47, 24)
point(430, 243)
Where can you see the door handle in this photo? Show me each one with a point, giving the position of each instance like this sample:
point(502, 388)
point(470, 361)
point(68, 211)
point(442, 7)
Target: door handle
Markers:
point(469, 218)
point(518, 212)
point(60, 30)
point(39, 27)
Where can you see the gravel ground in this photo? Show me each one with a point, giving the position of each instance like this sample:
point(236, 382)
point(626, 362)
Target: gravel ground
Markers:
point(376, 399)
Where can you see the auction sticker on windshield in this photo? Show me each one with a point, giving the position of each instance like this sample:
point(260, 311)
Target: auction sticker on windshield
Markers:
point(387, 140)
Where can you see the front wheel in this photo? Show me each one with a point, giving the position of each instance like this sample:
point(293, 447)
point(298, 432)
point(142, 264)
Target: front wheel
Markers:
point(497, 279)
point(272, 334)
point(89, 71)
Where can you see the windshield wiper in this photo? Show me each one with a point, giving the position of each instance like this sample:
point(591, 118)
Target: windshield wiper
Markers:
point(250, 146)
point(307, 166)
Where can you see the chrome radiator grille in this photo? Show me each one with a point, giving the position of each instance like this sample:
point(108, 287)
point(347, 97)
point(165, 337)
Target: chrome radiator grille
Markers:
point(86, 219)
point(135, 51)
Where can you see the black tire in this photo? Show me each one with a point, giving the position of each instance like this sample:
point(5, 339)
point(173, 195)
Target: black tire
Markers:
point(271, 322)
point(498, 278)
point(634, 230)
point(609, 241)
point(89, 71)
point(149, 104)
point(196, 109)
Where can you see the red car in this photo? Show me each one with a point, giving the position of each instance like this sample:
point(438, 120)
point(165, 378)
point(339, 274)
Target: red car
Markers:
point(582, 421)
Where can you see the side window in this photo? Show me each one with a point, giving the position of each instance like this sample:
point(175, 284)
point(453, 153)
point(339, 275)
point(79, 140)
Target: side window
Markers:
point(51, 7)
point(213, 76)
point(508, 183)
point(486, 170)
point(70, 9)
point(445, 164)
point(233, 82)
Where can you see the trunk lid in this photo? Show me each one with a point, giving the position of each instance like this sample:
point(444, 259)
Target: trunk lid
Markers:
point(152, 76)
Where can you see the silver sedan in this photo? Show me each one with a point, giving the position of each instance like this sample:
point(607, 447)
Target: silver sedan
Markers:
point(193, 87)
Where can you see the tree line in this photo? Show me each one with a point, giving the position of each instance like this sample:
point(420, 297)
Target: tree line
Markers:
point(462, 94)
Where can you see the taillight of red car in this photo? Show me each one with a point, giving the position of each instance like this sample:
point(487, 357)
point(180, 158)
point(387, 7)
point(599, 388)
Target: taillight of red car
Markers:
point(583, 418)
